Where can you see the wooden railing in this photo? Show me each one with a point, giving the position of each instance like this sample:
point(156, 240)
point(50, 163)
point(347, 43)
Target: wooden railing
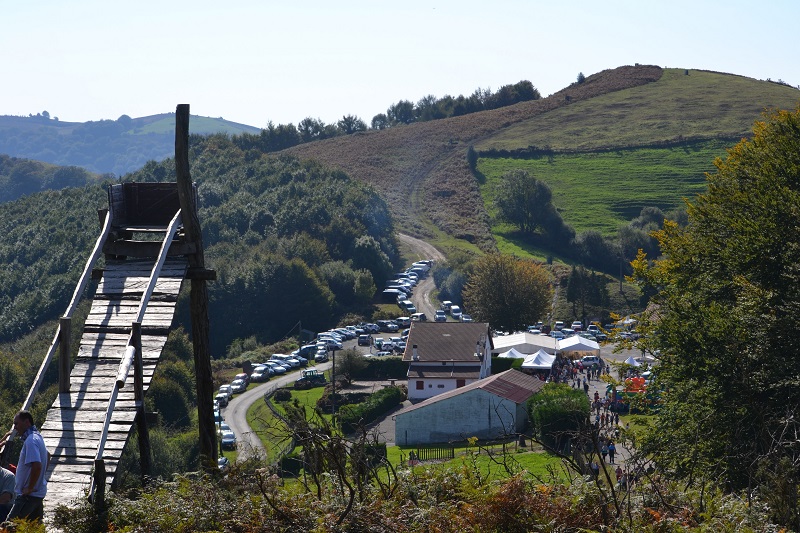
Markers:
point(62, 337)
point(132, 356)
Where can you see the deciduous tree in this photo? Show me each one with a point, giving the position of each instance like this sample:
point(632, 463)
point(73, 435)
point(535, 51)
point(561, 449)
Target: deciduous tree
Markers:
point(728, 326)
point(507, 292)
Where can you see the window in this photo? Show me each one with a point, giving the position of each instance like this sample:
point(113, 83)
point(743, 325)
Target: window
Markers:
point(440, 385)
point(460, 383)
point(420, 385)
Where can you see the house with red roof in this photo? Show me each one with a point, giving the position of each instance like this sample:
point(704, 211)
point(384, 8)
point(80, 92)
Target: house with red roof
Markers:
point(486, 408)
point(444, 356)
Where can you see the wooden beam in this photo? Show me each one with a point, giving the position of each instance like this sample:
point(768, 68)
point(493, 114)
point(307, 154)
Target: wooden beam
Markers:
point(199, 296)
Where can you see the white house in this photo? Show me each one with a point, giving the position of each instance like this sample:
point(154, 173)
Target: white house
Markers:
point(487, 408)
point(444, 356)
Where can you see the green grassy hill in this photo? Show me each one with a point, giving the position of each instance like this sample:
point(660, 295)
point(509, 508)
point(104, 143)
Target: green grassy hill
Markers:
point(624, 139)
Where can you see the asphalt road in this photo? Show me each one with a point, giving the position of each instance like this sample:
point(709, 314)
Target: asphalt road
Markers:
point(235, 414)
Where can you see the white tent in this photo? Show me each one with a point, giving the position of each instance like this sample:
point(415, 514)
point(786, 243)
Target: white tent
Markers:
point(512, 354)
point(631, 361)
point(577, 343)
point(540, 360)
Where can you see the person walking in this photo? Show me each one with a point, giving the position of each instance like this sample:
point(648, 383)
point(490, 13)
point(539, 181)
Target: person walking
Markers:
point(31, 486)
point(612, 450)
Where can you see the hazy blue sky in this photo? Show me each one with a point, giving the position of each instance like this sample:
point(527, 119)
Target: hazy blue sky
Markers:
point(253, 61)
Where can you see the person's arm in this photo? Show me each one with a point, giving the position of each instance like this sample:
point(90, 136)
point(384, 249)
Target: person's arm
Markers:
point(36, 471)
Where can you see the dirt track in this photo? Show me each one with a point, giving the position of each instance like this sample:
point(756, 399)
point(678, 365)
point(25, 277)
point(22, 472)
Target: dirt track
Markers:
point(422, 292)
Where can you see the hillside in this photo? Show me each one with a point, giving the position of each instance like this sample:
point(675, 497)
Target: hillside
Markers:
point(421, 169)
point(106, 146)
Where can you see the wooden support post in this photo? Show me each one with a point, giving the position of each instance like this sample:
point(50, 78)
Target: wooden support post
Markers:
point(142, 430)
point(99, 496)
point(64, 334)
point(199, 295)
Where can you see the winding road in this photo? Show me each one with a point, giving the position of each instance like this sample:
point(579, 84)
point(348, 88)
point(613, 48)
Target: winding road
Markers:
point(235, 414)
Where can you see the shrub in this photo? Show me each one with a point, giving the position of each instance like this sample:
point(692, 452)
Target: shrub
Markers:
point(351, 416)
point(282, 395)
point(558, 413)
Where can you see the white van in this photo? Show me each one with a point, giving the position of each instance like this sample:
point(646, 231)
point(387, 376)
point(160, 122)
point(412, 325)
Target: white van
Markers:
point(455, 312)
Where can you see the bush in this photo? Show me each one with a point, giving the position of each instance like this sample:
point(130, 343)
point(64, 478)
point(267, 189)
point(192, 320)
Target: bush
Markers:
point(351, 416)
point(558, 413)
point(282, 395)
point(382, 368)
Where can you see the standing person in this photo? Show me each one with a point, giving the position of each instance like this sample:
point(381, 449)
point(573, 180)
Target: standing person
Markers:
point(612, 450)
point(7, 482)
point(31, 486)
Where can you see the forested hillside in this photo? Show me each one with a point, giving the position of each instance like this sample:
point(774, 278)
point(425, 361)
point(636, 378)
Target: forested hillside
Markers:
point(105, 146)
point(291, 242)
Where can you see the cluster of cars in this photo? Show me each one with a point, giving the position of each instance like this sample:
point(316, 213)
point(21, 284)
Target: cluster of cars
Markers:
point(401, 286)
point(561, 331)
point(454, 310)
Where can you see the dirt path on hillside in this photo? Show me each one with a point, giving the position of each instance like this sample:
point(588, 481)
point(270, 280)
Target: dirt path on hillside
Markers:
point(424, 289)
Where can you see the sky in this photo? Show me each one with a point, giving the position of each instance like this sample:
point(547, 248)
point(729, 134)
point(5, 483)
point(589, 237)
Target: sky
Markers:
point(255, 61)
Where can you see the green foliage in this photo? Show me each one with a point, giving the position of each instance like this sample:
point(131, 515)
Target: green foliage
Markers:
point(382, 368)
point(507, 292)
point(169, 399)
point(354, 416)
point(348, 363)
point(727, 325)
point(501, 364)
point(559, 413)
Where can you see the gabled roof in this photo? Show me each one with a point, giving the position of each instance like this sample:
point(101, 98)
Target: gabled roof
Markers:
point(524, 342)
point(511, 385)
point(446, 341)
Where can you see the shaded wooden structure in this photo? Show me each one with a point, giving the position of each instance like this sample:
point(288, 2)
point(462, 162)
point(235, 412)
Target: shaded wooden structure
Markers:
point(102, 395)
point(75, 423)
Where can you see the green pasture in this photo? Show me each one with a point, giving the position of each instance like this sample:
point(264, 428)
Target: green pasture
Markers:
point(700, 105)
point(605, 190)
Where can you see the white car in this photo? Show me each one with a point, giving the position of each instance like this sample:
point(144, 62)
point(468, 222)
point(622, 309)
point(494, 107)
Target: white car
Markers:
point(455, 312)
point(238, 385)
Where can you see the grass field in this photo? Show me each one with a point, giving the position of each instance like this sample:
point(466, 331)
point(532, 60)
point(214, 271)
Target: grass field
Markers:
point(604, 190)
point(698, 105)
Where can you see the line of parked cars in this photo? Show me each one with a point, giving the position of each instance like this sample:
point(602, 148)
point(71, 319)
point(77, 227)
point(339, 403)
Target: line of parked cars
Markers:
point(402, 284)
point(455, 311)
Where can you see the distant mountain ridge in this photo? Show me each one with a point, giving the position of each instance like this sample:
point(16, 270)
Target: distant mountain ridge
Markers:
point(105, 146)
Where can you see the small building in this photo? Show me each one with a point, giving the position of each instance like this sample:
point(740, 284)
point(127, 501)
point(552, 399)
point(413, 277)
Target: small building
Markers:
point(488, 408)
point(444, 356)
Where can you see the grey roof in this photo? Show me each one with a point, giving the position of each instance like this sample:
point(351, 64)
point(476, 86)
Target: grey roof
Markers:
point(511, 385)
point(446, 341)
point(444, 371)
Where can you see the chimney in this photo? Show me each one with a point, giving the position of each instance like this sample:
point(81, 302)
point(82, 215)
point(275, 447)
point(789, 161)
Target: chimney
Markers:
point(414, 354)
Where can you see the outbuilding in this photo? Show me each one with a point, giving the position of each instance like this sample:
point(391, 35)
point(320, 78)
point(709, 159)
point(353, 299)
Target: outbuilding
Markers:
point(488, 408)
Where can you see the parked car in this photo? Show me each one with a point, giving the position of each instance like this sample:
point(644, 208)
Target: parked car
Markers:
point(440, 316)
point(276, 367)
point(244, 377)
point(383, 353)
point(568, 332)
point(364, 340)
point(590, 361)
point(455, 312)
point(402, 321)
point(556, 334)
point(465, 318)
point(577, 325)
point(321, 357)
point(228, 440)
point(418, 317)
point(238, 386)
point(446, 305)
point(222, 399)
point(226, 390)
point(593, 328)
point(260, 374)
point(223, 464)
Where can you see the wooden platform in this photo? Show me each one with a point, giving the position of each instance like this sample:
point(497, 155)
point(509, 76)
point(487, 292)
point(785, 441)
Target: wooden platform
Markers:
point(74, 423)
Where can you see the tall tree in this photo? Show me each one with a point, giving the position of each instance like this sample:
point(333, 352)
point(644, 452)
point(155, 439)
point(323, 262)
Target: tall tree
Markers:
point(507, 292)
point(728, 324)
point(526, 202)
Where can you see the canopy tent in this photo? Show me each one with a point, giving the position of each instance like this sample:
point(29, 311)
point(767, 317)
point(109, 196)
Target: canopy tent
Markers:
point(512, 354)
point(631, 361)
point(577, 343)
point(540, 360)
